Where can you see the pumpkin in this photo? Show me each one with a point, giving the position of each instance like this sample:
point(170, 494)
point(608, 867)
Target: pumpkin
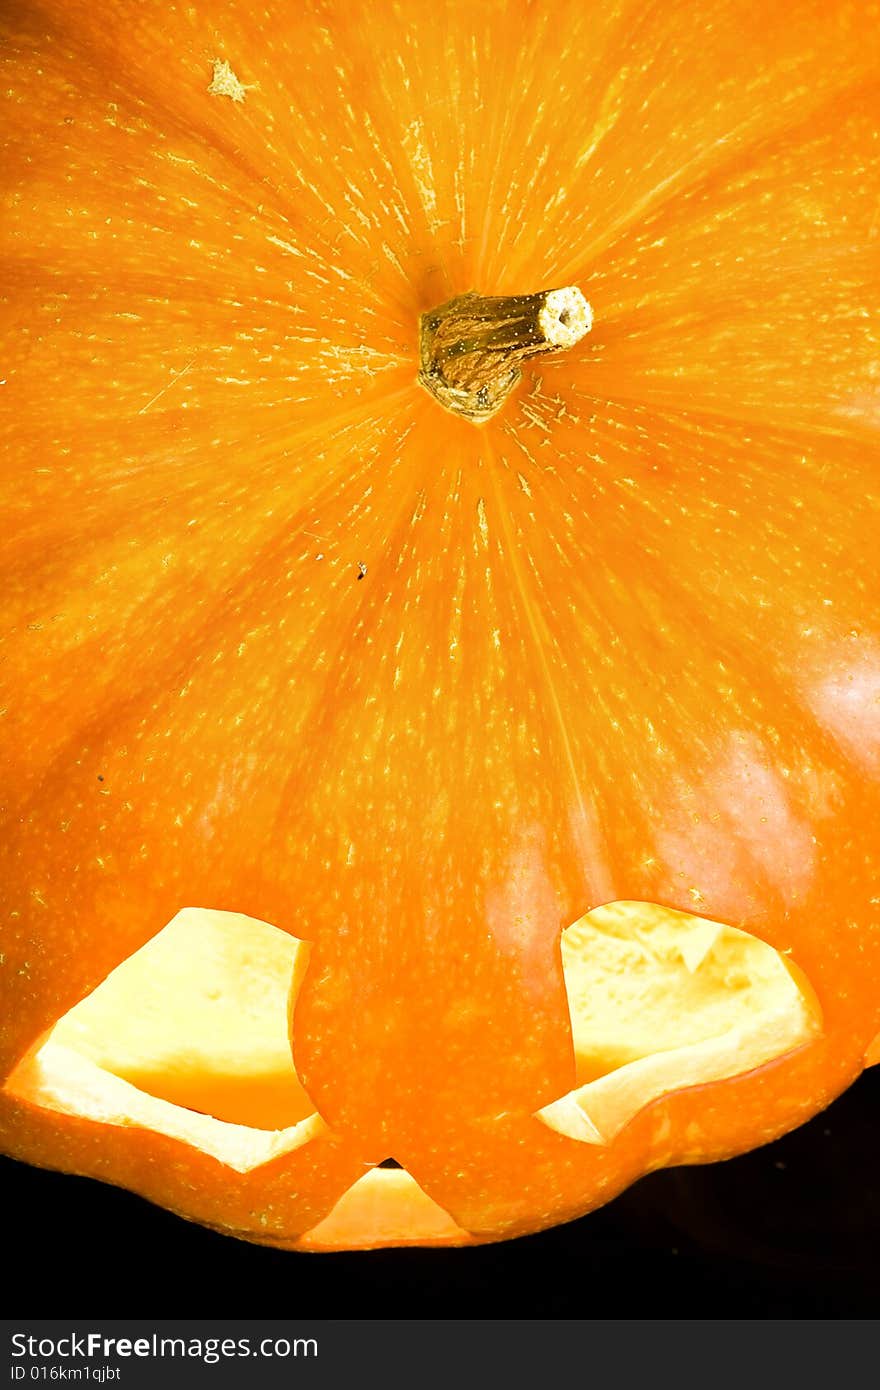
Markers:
point(442, 657)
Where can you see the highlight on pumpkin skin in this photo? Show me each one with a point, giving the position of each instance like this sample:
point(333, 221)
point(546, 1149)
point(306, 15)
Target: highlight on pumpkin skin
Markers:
point(188, 1037)
point(661, 1000)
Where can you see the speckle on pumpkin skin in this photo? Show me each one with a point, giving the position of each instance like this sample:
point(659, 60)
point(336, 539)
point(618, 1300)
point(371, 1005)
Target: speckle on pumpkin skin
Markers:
point(225, 83)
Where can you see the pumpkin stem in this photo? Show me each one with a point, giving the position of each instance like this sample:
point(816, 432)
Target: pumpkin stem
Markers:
point(472, 346)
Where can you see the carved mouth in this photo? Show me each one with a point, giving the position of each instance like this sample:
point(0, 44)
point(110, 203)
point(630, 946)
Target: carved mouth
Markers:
point(189, 1037)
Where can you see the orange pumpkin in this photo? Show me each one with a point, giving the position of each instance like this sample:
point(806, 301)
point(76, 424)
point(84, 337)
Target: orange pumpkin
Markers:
point(520, 767)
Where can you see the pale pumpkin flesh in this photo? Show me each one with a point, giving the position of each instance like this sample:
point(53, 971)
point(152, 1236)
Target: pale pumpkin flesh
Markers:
point(285, 638)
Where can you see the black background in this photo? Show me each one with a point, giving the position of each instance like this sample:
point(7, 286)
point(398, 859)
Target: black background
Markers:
point(791, 1230)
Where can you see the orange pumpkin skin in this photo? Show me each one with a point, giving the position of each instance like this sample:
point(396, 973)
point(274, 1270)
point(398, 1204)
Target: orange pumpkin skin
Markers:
point(621, 642)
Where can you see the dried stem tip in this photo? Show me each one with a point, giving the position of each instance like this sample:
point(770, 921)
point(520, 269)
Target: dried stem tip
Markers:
point(471, 348)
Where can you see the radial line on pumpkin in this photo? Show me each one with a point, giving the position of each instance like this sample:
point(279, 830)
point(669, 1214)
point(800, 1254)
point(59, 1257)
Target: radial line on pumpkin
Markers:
point(180, 657)
point(175, 377)
point(670, 404)
point(688, 176)
point(182, 653)
point(539, 639)
point(226, 83)
point(661, 1000)
point(398, 202)
point(740, 662)
point(326, 260)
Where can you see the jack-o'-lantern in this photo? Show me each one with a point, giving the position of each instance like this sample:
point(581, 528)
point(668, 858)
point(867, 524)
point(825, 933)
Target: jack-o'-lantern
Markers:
point(442, 652)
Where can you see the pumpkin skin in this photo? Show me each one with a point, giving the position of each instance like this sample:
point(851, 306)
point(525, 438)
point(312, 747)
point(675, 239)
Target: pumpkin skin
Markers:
point(619, 643)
